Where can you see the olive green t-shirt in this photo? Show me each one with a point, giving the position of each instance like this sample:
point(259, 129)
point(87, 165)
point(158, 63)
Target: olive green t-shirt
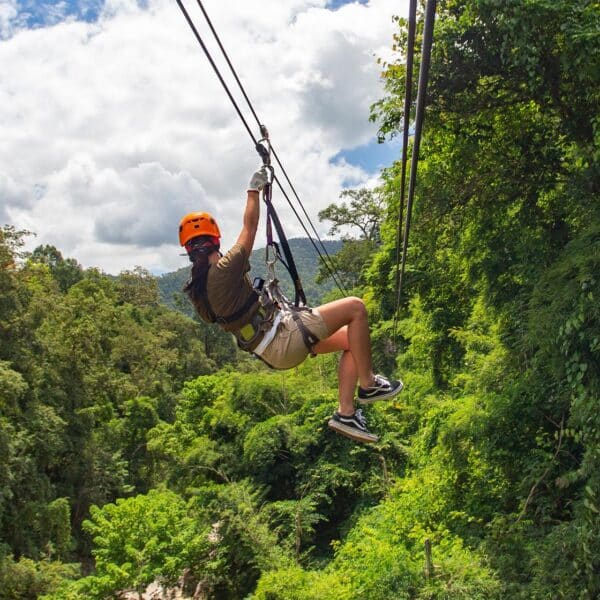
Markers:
point(228, 288)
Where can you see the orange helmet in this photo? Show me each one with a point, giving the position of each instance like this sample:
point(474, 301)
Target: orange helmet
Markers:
point(195, 224)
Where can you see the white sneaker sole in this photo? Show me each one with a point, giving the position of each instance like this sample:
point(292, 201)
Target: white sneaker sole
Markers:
point(352, 432)
point(387, 396)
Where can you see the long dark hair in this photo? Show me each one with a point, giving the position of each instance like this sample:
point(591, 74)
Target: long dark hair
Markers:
point(199, 249)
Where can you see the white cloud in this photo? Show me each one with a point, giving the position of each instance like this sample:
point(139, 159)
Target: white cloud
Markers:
point(8, 13)
point(112, 130)
point(150, 218)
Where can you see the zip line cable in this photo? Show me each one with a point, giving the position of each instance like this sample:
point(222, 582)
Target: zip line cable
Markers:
point(215, 69)
point(258, 122)
point(226, 56)
point(412, 26)
point(419, 117)
point(248, 129)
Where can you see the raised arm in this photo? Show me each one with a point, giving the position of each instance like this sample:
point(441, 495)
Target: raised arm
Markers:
point(252, 211)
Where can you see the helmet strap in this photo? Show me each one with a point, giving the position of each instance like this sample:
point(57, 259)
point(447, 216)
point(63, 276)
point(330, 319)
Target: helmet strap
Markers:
point(199, 248)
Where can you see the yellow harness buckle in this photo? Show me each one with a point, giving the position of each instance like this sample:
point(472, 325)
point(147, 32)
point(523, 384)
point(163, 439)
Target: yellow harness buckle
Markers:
point(247, 331)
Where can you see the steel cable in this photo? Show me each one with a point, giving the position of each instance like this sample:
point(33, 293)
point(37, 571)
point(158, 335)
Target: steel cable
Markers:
point(412, 22)
point(259, 123)
point(248, 129)
point(419, 117)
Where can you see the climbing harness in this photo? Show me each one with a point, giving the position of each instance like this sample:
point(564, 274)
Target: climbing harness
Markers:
point(250, 335)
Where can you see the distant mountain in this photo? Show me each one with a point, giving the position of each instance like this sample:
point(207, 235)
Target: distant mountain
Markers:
point(307, 263)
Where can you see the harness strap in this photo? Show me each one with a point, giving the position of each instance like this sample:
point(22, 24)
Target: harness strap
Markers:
point(225, 320)
point(290, 265)
point(263, 147)
point(250, 335)
point(250, 302)
point(257, 328)
point(269, 334)
point(310, 339)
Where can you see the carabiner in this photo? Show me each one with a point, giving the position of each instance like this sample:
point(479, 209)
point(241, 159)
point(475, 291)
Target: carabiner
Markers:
point(263, 146)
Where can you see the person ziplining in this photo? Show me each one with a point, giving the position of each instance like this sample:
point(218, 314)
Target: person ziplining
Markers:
point(272, 328)
point(264, 322)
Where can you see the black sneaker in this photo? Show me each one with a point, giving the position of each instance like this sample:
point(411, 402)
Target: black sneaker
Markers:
point(354, 427)
point(382, 389)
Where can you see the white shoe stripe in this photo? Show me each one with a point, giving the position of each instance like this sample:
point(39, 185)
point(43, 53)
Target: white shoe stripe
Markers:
point(352, 432)
point(393, 392)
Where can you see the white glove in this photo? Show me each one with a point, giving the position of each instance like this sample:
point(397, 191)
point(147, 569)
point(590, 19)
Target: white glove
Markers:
point(258, 180)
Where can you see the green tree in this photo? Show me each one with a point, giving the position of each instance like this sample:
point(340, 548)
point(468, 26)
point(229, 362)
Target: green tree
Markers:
point(67, 271)
point(503, 224)
point(130, 439)
point(364, 212)
point(78, 360)
point(139, 540)
point(26, 579)
point(11, 297)
point(138, 287)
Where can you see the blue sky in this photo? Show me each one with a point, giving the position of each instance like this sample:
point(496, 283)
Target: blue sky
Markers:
point(372, 156)
point(38, 13)
point(333, 4)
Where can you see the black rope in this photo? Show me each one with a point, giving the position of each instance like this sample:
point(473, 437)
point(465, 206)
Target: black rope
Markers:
point(332, 270)
point(331, 273)
point(299, 295)
point(329, 266)
point(419, 117)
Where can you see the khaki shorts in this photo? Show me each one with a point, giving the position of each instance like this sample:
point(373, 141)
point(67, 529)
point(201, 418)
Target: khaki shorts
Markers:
point(287, 349)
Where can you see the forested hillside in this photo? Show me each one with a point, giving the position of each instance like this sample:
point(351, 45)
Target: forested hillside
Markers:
point(135, 452)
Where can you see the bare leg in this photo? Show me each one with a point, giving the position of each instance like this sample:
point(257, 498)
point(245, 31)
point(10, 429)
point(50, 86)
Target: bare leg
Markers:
point(347, 379)
point(347, 318)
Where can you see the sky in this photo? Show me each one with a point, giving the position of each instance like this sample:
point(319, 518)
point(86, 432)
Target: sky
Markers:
point(113, 125)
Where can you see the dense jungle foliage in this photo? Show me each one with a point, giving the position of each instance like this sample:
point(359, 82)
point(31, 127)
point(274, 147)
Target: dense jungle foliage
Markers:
point(135, 451)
